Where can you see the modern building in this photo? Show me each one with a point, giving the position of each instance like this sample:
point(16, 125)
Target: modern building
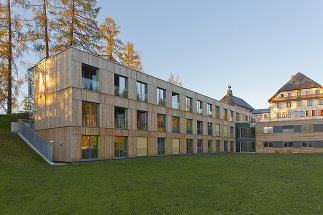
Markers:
point(90, 108)
point(262, 114)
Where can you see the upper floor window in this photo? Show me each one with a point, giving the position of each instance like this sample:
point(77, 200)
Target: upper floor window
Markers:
point(295, 113)
point(268, 130)
point(225, 114)
point(161, 97)
point(161, 122)
point(200, 127)
point(301, 113)
point(309, 102)
point(217, 112)
point(299, 103)
point(142, 120)
point(210, 129)
point(175, 100)
point(314, 112)
point(209, 109)
point(237, 117)
point(231, 115)
point(282, 95)
point(120, 86)
point(307, 92)
point(199, 109)
point(320, 101)
point(279, 105)
point(289, 114)
point(90, 114)
point(189, 104)
point(299, 93)
point(142, 91)
point(308, 113)
point(289, 94)
point(231, 131)
point(317, 91)
point(307, 128)
point(189, 126)
point(217, 130)
point(288, 104)
point(284, 114)
point(90, 78)
point(175, 124)
point(120, 117)
point(226, 131)
point(279, 115)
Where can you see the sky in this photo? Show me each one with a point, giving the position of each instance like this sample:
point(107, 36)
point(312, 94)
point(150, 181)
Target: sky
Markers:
point(253, 45)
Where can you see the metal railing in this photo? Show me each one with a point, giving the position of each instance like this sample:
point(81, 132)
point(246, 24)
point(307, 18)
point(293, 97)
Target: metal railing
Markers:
point(120, 123)
point(120, 91)
point(37, 142)
point(89, 84)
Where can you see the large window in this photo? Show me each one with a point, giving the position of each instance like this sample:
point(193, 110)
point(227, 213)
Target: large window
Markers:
point(231, 132)
point(268, 144)
point(289, 144)
point(175, 146)
point(120, 117)
point(120, 147)
point(90, 147)
point(161, 122)
point(189, 126)
point(210, 129)
point(161, 97)
point(217, 112)
point(142, 120)
point(142, 146)
point(90, 78)
point(218, 143)
point(225, 146)
point(199, 146)
point(161, 146)
point(199, 127)
point(231, 146)
point(199, 107)
point(210, 146)
point(225, 114)
point(217, 130)
point(90, 114)
point(142, 91)
point(307, 128)
point(175, 124)
point(175, 100)
point(189, 146)
point(307, 144)
point(238, 117)
point(309, 102)
point(120, 86)
point(231, 115)
point(226, 131)
point(268, 130)
point(189, 104)
point(320, 101)
point(209, 109)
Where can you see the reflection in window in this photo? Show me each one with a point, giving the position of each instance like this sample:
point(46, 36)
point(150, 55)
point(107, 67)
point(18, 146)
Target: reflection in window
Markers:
point(120, 147)
point(199, 146)
point(142, 91)
point(161, 146)
point(90, 78)
point(120, 117)
point(120, 86)
point(142, 120)
point(189, 104)
point(175, 100)
point(161, 97)
point(90, 147)
point(90, 114)
point(199, 109)
point(161, 122)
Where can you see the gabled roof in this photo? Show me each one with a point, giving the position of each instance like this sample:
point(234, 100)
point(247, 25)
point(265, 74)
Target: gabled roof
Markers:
point(298, 82)
point(258, 111)
point(235, 101)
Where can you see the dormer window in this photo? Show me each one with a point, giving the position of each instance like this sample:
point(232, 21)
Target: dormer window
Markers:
point(282, 95)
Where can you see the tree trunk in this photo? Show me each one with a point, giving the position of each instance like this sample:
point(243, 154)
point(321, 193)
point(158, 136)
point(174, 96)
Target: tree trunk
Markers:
point(45, 26)
point(9, 78)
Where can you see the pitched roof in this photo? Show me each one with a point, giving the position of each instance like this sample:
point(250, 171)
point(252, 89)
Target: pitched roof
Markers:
point(298, 82)
point(235, 101)
point(257, 111)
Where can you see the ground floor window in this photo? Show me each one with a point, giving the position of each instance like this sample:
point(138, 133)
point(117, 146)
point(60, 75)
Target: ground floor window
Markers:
point(225, 146)
point(189, 146)
point(218, 145)
point(210, 146)
point(231, 146)
point(175, 146)
point(288, 144)
point(161, 146)
point(142, 146)
point(90, 148)
point(199, 146)
point(268, 144)
point(307, 144)
point(120, 147)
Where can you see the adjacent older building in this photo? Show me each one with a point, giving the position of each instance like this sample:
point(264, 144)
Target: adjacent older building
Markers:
point(90, 108)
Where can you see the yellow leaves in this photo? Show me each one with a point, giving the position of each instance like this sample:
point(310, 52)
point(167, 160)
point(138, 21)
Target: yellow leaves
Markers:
point(174, 80)
point(129, 57)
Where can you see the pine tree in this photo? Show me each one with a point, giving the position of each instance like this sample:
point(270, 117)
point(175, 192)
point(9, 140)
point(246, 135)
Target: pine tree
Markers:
point(129, 57)
point(12, 40)
point(174, 80)
point(111, 46)
point(75, 25)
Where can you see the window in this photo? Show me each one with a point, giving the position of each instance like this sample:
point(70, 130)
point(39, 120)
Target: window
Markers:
point(225, 131)
point(161, 122)
point(307, 144)
point(90, 147)
point(295, 113)
point(142, 120)
point(225, 114)
point(288, 130)
point(209, 109)
point(210, 146)
point(282, 95)
point(142, 146)
point(284, 114)
point(175, 146)
point(268, 144)
point(279, 115)
point(307, 92)
point(301, 113)
point(120, 117)
point(317, 91)
point(309, 102)
point(90, 114)
point(237, 117)
point(299, 103)
point(231, 146)
point(175, 124)
point(210, 129)
point(120, 147)
point(231, 132)
point(265, 116)
point(200, 127)
point(217, 112)
point(289, 114)
point(189, 104)
point(175, 100)
point(189, 126)
point(289, 144)
point(231, 115)
point(142, 91)
point(288, 104)
point(161, 97)
point(90, 78)
point(120, 86)
point(199, 146)
point(320, 101)
point(314, 112)
point(299, 93)
point(225, 146)
point(321, 112)
point(307, 128)
point(289, 95)
point(189, 146)
point(161, 146)
point(217, 130)
point(218, 146)
point(260, 116)
point(268, 130)
point(199, 109)
point(308, 113)
point(279, 105)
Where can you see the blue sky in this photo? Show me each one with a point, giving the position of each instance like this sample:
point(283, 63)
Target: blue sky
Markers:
point(253, 45)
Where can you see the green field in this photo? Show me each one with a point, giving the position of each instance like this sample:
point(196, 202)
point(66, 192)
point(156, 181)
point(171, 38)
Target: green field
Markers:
point(200, 184)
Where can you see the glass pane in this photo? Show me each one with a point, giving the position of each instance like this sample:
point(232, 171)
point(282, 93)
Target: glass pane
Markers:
point(94, 147)
point(123, 147)
point(94, 114)
point(86, 147)
point(175, 146)
point(116, 147)
point(141, 146)
point(85, 113)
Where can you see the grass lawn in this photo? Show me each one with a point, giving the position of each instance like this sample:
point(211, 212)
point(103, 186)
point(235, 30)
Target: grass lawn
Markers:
point(201, 184)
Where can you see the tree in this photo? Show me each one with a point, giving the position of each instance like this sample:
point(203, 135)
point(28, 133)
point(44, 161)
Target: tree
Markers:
point(129, 57)
point(75, 25)
point(111, 46)
point(13, 43)
point(174, 80)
